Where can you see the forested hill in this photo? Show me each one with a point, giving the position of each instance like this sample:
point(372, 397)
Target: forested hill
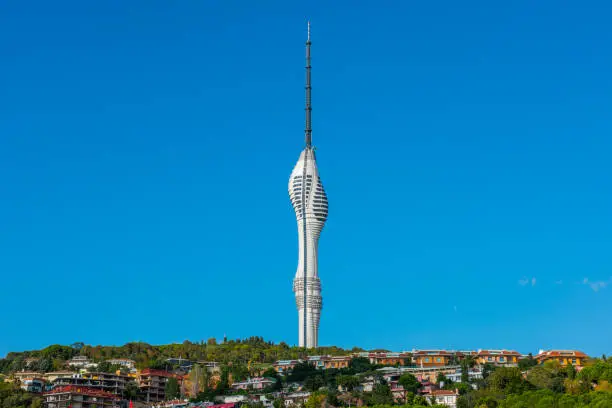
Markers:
point(253, 350)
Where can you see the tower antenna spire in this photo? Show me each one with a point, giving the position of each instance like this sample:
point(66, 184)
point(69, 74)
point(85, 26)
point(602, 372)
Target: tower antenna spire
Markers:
point(308, 129)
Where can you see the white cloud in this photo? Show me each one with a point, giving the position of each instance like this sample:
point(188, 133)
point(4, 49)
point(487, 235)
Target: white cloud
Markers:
point(527, 281)
point(597, 285)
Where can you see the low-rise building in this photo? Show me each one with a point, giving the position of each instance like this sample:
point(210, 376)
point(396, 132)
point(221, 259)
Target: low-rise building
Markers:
point(231, 399)
point(508, 358)
point(81, 362)
point(327, 362)
point(564, 357)
point(123, 362)
point(79, 397)
point(296, 398)
point(256, 383)
point(473, 375)
point(432, 358)
point(385, 358)
point(21, 375)
point(389, 359)
point(53, 375)
point(444, 397)
point(32, 384)
point(285, 366)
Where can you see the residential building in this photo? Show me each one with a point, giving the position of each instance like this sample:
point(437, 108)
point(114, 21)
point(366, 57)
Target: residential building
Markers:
point(231, 399)
point(152, 384)
point(72, 396)
point(389, 359)
point(507, 358)
point(564, 357)
point(285, 366)
point(257, 383)
point(327, 362)
point(111, 383)
point(53, 375)
point(21, 375)
point(123, 362)
point(430, 374)
point(444, 397)
point(309, 202)
point(296, 398)
point(81, 362)
point(385, 358)
point(473, 375)
point(33, 384)
point(432, 358)
point(397, 391)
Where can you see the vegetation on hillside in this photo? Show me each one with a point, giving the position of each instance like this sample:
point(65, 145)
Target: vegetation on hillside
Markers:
point(248, 352)
point(527, 386)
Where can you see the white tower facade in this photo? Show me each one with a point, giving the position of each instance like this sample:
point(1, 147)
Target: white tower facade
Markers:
point(310, 204)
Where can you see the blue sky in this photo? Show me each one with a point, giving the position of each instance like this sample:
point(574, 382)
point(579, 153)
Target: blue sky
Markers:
point(145, 149)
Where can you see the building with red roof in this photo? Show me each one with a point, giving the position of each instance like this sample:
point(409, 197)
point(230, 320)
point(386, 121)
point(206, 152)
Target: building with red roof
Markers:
point(79, 397)
point(564, 357)
point(508, 358)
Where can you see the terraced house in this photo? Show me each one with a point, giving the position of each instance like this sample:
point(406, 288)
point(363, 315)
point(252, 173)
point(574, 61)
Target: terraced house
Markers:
point(508, 358)
point(564, 357)
point(432, 358)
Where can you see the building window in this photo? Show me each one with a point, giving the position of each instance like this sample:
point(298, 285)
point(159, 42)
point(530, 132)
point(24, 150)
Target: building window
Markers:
point(427, 359)
point(438, 359)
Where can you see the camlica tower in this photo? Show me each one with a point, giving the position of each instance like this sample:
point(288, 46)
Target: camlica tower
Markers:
point(310, 204)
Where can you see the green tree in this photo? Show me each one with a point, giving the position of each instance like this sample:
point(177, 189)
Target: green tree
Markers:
point(487, 369)
point(508, 380)
point(131, 390)
point(106, 367)
point(410, 383)
point(316, 400)
point(313, 383)
point(544, 377)
point(570, 371)
point(45, 365)
point(360, 365)
point(347, 382)
point(442, 379)
point(526, 363)
point(381, 395)
point(301, 371)
point(172, 389)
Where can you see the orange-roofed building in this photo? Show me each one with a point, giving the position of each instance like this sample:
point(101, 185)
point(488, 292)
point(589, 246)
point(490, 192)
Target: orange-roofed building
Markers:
point(431, 358)
point(564, 357)
point(508, 358)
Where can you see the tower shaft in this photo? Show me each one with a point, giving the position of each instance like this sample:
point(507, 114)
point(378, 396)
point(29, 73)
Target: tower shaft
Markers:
point(310, 205)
